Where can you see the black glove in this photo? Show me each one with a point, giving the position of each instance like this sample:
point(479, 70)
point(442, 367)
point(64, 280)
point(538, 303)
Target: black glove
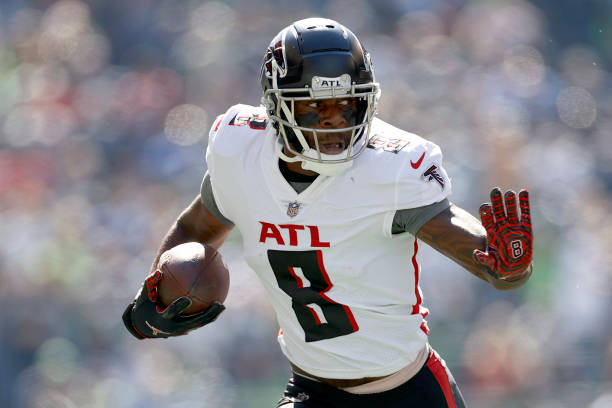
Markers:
point(146, 318)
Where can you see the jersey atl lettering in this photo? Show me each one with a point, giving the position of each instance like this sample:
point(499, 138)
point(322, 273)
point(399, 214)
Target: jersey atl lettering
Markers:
point(344, 288)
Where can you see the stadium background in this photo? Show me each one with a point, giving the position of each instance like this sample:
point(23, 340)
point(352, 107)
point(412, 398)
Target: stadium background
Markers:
point(104, 111)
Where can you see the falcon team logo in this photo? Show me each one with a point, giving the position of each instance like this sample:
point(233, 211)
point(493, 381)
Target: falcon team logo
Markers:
point(432, 174)
point(292, 209)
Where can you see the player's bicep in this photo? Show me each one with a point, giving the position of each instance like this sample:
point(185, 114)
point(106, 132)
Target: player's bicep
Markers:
point(456, 233)
point(202, 225)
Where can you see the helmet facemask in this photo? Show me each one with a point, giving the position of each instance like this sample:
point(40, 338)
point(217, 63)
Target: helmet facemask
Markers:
point(294, 132)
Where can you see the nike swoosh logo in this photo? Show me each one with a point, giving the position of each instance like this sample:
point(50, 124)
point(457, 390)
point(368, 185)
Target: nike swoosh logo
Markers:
point(418, 163)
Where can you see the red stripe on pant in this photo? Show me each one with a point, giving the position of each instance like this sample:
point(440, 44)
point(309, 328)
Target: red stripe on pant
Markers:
point(439, 371)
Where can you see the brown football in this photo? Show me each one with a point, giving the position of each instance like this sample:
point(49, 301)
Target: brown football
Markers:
point(194, 270)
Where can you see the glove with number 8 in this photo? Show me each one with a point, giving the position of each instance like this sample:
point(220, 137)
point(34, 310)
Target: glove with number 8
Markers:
point(510, 239)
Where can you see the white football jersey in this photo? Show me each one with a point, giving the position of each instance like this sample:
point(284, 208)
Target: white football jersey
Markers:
point(345, 290)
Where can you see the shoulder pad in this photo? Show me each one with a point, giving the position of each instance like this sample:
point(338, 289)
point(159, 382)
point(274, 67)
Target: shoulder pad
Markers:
point(236, 128)
point(391, 148)
point(408, 163)
point(388, 138)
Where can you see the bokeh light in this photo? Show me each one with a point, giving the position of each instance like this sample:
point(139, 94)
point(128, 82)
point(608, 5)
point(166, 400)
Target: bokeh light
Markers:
point(577, 108)
point(186, 125)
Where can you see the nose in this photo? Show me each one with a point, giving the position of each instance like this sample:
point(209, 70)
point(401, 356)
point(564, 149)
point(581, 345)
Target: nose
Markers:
point(332, 116)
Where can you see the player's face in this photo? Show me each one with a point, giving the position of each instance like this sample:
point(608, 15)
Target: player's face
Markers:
point(327, 114)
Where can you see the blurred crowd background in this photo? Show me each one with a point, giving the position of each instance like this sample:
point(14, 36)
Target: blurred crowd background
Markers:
point(104, 113)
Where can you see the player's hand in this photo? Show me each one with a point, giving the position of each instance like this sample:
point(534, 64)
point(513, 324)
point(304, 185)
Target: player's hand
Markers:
point(510, 239)
point(146, 318)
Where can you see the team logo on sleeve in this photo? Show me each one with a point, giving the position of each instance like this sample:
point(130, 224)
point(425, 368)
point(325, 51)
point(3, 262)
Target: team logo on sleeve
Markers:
point(254, 121)
point(388, 144)
point(433, 174)
point(292, 209)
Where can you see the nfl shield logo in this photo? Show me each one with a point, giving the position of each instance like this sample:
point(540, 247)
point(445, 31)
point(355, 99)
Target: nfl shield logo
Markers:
point(293, 208)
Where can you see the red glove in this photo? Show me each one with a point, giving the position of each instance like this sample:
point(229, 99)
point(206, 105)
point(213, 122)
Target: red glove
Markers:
point(510, 249)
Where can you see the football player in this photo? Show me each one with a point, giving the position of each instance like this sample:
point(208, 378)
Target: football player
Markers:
point(330, 201)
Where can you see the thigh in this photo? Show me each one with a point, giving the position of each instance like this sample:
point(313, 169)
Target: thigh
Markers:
point(432, 387)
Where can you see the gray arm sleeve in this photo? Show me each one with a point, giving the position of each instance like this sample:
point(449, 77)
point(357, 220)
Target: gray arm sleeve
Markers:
point(208, 198)
point(413, 219)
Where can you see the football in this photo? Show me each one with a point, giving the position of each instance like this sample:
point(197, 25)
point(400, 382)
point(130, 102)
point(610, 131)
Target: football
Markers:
point(194, 270)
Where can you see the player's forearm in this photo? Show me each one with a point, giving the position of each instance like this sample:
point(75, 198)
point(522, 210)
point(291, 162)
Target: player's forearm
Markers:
point(194, 224)
point(463, 256)
point(460, 245)
point(176, 235)
point(456, 233)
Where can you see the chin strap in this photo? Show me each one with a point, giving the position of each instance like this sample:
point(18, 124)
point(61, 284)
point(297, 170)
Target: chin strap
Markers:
point(324, 169)
point(278, 147)
point(327, 169)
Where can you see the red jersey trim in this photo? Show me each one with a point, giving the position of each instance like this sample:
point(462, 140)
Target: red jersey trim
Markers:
point(416, 308)
point(438, 369)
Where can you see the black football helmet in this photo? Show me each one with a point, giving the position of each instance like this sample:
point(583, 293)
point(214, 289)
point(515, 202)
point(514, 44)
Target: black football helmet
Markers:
point(314, 59)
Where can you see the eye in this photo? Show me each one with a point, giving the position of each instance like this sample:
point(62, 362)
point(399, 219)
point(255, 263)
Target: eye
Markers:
point(343, 102)
point(313, 105)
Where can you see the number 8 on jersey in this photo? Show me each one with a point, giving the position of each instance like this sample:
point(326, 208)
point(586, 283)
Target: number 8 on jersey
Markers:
point(339, 318)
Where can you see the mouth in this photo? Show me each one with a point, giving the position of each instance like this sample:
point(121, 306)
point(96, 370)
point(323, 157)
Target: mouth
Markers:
point(334, 143)
point(335, 147)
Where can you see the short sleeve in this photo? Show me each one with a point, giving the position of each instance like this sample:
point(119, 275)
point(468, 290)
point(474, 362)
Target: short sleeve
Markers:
point(208, 199)
point(411, 220)
point(422, 179)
